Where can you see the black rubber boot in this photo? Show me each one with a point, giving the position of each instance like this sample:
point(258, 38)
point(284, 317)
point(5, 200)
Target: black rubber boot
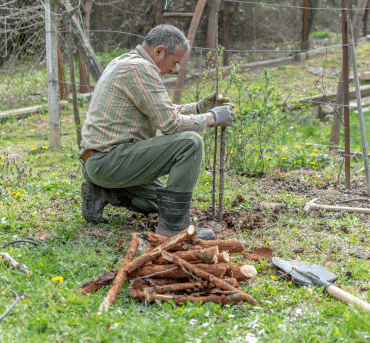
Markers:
point(174, 214)
point(95, 198)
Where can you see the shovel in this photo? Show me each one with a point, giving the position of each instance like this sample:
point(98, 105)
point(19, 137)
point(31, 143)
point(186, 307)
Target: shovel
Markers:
point(309, 274)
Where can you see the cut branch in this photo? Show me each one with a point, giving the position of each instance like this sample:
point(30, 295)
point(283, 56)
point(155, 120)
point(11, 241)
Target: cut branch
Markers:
point(121, 276)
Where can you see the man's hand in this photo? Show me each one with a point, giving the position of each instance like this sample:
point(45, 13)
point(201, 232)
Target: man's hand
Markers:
point(209, 101)
point(219, 116)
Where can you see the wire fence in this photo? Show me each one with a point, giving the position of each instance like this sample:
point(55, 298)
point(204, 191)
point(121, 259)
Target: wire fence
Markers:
point(256, 31)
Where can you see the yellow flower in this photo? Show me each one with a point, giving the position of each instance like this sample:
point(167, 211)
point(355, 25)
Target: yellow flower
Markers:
point(65, 180)
point(57, 279)
point(268, 158)
point(18, 194)
point(63, 146)
point(32, 214)
point(32, 149)
point(53, 213)
point(273, 277)
point(10, 188)
point(298, 146)
point(207, 183)
point(44, 147)
point(1, 157)
point(313, 154)
point(57, 193)
point(284, 158)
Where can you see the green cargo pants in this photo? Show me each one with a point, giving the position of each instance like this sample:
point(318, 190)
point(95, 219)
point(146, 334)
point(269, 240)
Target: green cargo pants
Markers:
point(137, 166)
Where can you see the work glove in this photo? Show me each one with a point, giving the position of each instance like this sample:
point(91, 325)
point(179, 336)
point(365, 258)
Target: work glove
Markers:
point(209, 101)
point(223, 115)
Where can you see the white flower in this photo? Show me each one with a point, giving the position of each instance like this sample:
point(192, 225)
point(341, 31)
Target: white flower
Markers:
point(298, 311)
point(205, 324)
point(193, 321)
point(231, 315)
point(236, 327)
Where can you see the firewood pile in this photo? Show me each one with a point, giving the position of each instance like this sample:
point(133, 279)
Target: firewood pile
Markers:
point(180, 268)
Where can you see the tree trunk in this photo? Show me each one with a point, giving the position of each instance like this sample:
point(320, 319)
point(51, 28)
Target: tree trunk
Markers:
point(84, 72)
point(211, 29)
point(311, 12)
point(365, 22)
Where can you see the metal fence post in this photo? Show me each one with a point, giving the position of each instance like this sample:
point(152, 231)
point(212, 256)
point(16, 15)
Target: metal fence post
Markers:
point(52, 72)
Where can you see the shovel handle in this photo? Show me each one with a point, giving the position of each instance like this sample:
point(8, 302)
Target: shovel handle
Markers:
point(348, 298)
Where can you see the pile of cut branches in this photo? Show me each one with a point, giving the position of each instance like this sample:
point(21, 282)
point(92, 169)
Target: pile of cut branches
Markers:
point(180, 268)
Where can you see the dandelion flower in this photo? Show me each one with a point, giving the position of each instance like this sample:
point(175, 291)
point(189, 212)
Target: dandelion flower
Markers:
point(57, 279)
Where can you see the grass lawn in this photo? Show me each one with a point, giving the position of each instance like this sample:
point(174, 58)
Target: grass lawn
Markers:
point(40, 196)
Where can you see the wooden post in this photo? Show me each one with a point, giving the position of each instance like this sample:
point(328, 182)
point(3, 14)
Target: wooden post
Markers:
point(73, 81)
point(62, 79)
point(52, 72)
point(158, 12)
point(347, 148)
point(359, 106)
point(84, 72)
point(337, 118)
point(211, 28)
point(184, 62)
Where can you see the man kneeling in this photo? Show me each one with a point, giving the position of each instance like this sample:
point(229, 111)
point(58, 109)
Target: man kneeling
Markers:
point(122, 159)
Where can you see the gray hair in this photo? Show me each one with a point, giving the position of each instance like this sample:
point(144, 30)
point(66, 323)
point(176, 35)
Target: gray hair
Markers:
point(169, 36)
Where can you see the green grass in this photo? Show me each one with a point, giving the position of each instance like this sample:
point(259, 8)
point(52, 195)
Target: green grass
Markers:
point(47, 199)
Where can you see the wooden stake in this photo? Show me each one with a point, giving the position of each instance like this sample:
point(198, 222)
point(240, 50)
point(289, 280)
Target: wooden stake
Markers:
point(121, 276)
point(73, 82)
point(359, 106)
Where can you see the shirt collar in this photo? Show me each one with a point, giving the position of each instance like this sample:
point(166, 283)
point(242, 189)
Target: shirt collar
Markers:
point(140, 49)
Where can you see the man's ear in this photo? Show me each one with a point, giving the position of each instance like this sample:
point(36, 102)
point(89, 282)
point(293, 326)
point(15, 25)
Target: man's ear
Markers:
point(160, 51)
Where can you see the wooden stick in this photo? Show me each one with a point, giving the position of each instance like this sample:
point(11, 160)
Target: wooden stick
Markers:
point(73, 82)
point(121, 276)
point(230, 245)
point(313, 206)
point(156, 271)
point(98, 282)
point(208, 255)
point(221, 284)
point(13, 263)
point(242, 272)
point(176, 287)
point(186, 234)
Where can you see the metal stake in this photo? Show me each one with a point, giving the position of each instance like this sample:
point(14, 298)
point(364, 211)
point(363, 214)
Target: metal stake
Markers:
point(216, 133)
point(359, 106)
point(347, 158)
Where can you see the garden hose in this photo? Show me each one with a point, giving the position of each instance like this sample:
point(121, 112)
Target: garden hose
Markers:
point(12, 305)
point(31, 241)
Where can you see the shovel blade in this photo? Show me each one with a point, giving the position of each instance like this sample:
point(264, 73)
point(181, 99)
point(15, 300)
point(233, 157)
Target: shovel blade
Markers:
point(307, 271)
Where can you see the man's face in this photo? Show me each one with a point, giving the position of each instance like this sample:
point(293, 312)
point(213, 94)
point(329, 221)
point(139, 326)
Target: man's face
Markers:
point(167, 64)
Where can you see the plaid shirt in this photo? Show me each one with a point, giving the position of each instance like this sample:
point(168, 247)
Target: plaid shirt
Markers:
point(130, 102)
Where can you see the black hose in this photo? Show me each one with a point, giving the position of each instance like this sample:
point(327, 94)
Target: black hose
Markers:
point(12, 305)
point(34, 242)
